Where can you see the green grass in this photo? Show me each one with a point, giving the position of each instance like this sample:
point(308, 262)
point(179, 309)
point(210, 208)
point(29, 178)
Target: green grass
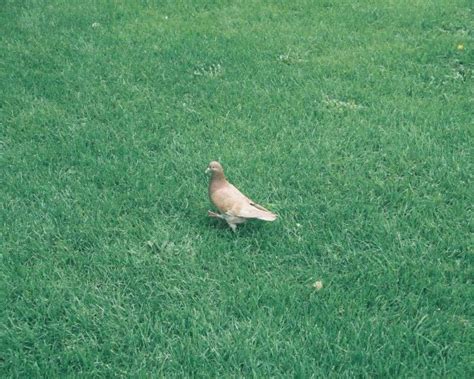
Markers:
point(351, 120)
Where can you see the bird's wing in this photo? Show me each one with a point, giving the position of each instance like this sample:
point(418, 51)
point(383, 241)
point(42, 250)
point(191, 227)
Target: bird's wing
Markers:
point(247, 208)
point(231, 201)
point(253, 210)
point(258, 206)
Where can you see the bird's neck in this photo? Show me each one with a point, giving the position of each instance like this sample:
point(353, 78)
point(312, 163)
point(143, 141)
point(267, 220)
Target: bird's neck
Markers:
point(217, 179)
point(217, 176)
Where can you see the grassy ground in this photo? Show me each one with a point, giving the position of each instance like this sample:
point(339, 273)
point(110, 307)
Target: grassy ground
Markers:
point(351, 120)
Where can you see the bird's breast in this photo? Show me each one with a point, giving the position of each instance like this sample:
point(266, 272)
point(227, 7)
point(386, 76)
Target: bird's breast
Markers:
point(221, 200)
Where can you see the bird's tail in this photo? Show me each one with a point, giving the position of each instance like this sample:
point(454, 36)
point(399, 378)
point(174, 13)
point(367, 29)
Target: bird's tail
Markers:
point(266, 216)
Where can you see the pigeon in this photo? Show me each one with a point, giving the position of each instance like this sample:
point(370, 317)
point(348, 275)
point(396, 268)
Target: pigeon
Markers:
point(235, 207)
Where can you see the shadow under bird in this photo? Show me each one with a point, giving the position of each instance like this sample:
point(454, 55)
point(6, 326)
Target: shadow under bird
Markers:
point(235, 207)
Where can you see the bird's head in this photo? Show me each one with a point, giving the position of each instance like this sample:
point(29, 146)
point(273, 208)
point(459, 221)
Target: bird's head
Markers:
point(215, 168)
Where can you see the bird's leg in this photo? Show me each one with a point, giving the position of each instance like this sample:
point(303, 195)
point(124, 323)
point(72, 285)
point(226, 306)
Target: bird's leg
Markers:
point(233, 227)
point(214, 214)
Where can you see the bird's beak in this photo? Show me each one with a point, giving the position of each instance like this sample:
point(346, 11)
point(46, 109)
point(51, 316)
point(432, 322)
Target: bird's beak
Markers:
point(208, 170)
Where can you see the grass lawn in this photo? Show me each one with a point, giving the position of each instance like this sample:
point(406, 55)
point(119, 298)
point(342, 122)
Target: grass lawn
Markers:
point(351, 120)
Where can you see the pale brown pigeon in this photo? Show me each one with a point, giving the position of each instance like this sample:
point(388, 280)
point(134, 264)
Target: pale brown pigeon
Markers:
point(235, 207)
